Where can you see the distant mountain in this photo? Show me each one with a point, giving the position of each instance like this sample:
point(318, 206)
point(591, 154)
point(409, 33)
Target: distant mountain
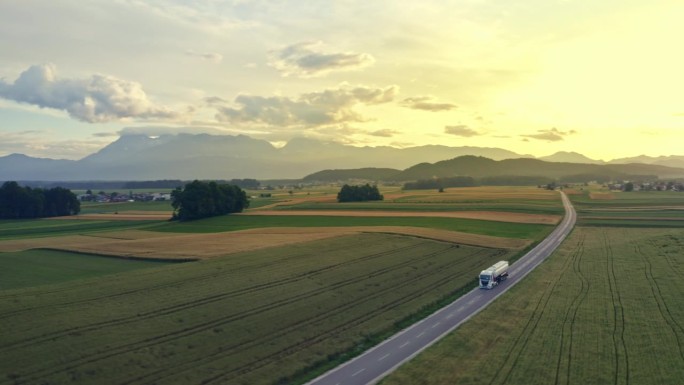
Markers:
point(370, 174)
point(480, 167)
point(570, 157)
point(203, 156)
point(671, 161)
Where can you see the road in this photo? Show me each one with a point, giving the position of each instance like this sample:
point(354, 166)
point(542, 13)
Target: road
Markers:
point(384, 358)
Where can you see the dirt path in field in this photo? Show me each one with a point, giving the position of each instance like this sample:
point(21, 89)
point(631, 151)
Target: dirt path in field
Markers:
point(147, 244)
point(499, 216)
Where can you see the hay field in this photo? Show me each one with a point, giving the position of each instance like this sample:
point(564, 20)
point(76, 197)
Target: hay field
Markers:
point(148, 244)
point(607, 308)
point(481, 215)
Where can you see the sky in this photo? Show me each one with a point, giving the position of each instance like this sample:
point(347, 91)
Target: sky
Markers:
point(602, 78)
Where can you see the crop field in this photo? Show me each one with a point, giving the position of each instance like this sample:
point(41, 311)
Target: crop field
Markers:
point(243, 222)
point(12, 229)
point(246, 318)
point(631, 209)
point(606, 308)
point(40, 267)
point(109, 208)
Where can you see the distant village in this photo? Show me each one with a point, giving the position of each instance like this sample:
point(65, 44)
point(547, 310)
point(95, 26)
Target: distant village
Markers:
point(646, 186)
point(103, 197)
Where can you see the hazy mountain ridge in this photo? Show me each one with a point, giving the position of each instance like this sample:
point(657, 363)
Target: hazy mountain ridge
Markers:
point(204, 156)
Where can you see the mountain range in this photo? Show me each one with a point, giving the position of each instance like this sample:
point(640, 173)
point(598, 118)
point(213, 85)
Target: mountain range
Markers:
point(204, 156)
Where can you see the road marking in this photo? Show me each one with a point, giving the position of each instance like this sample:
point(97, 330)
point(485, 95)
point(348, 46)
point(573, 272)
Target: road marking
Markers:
point(404, 344)
point(460, 309)
point(472, 301)
point(420, 335)
point(450, 315)
point(383, 357)
point(435, 325)
point(359, 372)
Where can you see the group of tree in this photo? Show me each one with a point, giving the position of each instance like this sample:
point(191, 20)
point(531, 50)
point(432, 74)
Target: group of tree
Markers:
point(359, 193)
point(207, 199)
point(467, 181)
point(17, 202)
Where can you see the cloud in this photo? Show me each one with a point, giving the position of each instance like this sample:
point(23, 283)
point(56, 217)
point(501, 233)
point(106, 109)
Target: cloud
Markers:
point(99, 98)
point(426, 103)
point(213, 100)
point(552, 135)
point(311, 109)
point(307, 59)
point(385, 133)
point(208, 56)
point(461, 130)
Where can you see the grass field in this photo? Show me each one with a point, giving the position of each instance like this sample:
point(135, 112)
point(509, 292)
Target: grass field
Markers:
point(240, 222)
point(248, 318)
point(31, 228)
point(607, 308)
point(107, 208)
point(40, 267)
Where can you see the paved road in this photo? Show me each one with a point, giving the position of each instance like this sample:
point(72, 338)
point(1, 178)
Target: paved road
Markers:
point(381, 360)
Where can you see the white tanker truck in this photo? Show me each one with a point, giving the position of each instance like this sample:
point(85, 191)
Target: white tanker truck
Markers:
point(493, 275)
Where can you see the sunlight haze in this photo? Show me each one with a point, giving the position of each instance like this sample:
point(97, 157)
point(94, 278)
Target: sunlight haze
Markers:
point(603, 79)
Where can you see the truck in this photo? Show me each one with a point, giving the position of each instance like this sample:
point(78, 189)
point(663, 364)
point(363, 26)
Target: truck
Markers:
point(493, 275)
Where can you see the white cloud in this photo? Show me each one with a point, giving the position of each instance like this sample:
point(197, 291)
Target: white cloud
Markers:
point(208, 56)
point(461, 130)
point(310, 109)
point(307, 59)
point(100, 98)
point(427, 103)
point(552, 135)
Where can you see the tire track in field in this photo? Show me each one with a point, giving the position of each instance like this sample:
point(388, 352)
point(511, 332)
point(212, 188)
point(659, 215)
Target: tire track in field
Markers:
point(571, 313)
point(180, 282)
point(660, 301)
point(204, 301)
point(523, 338)
point(133, 346)
point(273, 357)
point(619, 347)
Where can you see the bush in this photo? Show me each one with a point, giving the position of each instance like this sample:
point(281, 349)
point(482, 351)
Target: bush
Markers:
point(359, 193)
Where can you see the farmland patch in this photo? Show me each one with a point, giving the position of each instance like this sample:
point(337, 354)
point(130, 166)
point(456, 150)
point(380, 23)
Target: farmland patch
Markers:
point(249, 318)
point(606, 307)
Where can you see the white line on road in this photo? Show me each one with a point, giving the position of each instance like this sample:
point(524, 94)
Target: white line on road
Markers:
point(359, 372)
point(420, 335)
point(404, 344)
point(460, 309)
point(435, 325)
point(383, 357)
point(450, 315)
point(472, 301)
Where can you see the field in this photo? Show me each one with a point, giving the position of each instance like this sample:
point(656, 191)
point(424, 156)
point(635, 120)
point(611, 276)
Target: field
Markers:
point(269, 298)
point(236, 319)
point(606, 308)
point(39, 267)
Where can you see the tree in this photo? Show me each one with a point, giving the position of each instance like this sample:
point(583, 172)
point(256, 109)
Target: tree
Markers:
point(629, 186)
point(206, 199)
point(359, 193)
point(18, 202)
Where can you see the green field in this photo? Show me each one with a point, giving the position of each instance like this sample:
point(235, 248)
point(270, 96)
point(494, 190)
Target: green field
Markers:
point(631, 209)
point(607, 308)
point(242, 222)
point(32, 228)
point(39, 267)
point(250, 318)
point(532, 207)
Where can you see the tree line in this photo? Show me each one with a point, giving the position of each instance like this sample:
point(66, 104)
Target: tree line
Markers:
point(467, 181)
point(207, 199)
point(359, 193)
point(17, 202)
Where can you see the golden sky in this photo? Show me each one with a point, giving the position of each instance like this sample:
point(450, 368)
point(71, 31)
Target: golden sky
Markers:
point(602, 78)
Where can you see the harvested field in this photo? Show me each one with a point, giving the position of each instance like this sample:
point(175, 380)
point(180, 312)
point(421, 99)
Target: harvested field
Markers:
point(124, 216)
point(499, 216)
point(146, 244)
